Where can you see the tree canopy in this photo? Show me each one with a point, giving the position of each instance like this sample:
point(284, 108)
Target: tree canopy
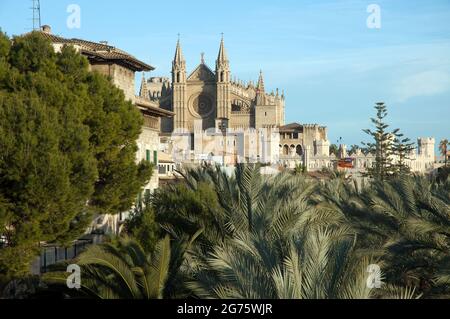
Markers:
point(68, 145)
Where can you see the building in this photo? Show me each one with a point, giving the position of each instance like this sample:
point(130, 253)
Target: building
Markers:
point(121, 68)
point(213, 97)
point(306, 145)
point(420, 160)
point(217, 118)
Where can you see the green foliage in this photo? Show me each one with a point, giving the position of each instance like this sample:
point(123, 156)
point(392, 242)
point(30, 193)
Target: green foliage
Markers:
point(353, 149)
point(299, 169)
point(68, 146)
point(405, 222)
point(142, 225)
point(381, 146)
point(443, 149)
point(402, 148)
point(189, 208)
point(391, 148)
point(120, 270)
point(287, 236)
point(334, 149)
point(271, 239)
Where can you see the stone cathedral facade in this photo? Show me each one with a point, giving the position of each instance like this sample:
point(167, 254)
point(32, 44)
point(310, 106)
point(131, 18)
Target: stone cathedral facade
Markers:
point(208, 103)
point(213, 97)
point(220, 119)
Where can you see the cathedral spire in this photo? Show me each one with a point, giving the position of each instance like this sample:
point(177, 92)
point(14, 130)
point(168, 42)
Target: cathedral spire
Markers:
point(222, 52)
point(143, 92)
point(178, 65)
point(178, 52)
point(260, 85)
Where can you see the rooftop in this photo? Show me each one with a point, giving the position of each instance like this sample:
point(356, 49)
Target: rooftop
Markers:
point(100, 52)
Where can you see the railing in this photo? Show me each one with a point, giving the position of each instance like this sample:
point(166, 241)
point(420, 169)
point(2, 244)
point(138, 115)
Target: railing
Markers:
point(53, 254)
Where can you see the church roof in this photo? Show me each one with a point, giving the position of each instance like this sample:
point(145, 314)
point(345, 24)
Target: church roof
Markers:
point(291, 127)
point(202, 73)
point(101, 52)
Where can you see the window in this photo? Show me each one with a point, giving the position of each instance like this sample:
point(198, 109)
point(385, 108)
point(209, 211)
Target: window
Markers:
point(147, 155)
point(155, 157)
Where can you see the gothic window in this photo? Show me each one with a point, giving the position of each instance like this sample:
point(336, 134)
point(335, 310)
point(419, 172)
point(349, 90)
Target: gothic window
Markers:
point(238, 106)
point(202, 105)
point(235, 108)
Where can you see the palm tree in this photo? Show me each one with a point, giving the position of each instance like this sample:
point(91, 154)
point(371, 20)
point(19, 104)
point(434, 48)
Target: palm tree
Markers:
point(443, 147)
point(318, 264)
point(299, 169)
point(405, 222)
point(267, 237)
point(121, 269)
point(276, 243)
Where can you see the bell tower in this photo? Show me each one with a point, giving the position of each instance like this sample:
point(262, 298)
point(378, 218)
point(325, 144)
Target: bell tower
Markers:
point(223, 86)
point(179, 88)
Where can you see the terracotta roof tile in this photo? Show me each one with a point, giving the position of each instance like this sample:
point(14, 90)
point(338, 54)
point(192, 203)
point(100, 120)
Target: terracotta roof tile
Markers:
point(102, 51)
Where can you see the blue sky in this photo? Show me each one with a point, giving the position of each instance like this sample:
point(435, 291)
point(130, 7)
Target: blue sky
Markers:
point(332, 67)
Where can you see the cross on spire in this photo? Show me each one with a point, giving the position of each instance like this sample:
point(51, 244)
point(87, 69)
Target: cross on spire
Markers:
point(222, 52)
point(202, 57)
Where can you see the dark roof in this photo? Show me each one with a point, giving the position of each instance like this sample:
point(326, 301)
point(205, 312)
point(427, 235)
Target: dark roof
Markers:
point(100, 52)
point(209, 72)
point(292, 127)
point(147, 107)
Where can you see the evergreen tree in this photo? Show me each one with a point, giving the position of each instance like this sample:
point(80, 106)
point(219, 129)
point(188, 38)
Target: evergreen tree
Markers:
point(381, 146)
point(353, 149)
point(402, 148)
point(67, 141)
point(142, 225)
point(334, 149)
point(443, 147)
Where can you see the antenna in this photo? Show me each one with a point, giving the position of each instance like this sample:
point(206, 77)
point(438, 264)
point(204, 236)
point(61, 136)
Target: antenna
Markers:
point(36, 15)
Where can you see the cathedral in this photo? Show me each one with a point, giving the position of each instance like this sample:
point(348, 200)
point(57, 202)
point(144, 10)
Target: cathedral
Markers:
point(220, 119)
point(213, 98)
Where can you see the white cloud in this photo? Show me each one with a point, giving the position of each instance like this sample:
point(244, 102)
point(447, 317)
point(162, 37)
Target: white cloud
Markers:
point(422, 84)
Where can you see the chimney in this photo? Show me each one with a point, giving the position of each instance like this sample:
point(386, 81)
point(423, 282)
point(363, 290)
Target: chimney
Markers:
point(46, 29)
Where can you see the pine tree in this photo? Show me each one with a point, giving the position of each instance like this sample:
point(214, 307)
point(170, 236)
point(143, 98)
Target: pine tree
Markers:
point(381, 147)
point(68, 145)
point(334, 149)
point(402, 148)
point(443, 147)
